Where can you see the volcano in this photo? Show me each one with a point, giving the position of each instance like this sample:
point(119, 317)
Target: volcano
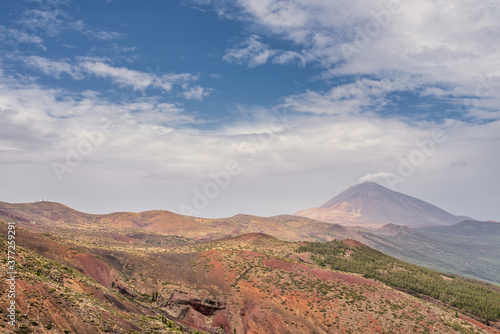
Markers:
point(372, 205)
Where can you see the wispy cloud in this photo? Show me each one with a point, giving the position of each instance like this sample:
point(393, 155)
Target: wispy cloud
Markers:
point(54, 68)
point(121, 76)
point(91, 33)
point(347, 98)
point(375, 177)
point(252, 52)
point(43, 21)
point(15, 37)
point(48, 19)
point(195, 93)
point(290, 57)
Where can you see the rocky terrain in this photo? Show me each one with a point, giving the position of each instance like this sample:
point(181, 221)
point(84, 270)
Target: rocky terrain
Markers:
point(251, 283)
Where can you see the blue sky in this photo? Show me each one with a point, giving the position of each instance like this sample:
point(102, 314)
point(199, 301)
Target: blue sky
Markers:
point(213, 108)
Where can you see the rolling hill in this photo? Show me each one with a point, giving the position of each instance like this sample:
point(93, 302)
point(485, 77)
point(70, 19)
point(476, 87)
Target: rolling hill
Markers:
point(152, 227)
point(252, 283)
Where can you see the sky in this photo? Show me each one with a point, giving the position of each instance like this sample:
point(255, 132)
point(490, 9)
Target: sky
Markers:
point(212, 107)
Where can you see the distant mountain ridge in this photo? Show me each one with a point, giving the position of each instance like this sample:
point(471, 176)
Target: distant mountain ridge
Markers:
point(48, 217)
point(467, 227)
point(372, 205)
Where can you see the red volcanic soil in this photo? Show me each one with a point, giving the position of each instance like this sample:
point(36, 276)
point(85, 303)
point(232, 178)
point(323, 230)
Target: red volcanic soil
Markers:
point(122, 238)
point(353, 243)
point(51, 310)
point(479, 324)
point(322, 274)
point(83, 262)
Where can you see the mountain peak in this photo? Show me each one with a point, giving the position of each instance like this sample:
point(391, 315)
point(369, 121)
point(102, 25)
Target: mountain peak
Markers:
point(373, 205)
point(365, 189)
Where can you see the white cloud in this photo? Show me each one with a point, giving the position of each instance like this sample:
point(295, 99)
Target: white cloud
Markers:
point(54, 68)
point(252, 52)
point(48, 19)
point(106, 35)
point(348, 98)
point(195, 93)
point(43, 21)
point(140, 80)
point(374, 177)
point(254, 121)
point(215, 75)
point(290, 57)
point(122, 76)
point(14, 37)
point(319, 26)
point(100, 35)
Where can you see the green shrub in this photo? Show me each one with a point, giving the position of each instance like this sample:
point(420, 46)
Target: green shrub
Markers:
point(478, 299)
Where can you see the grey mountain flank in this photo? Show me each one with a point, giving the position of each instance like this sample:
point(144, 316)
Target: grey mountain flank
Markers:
point(371, 205)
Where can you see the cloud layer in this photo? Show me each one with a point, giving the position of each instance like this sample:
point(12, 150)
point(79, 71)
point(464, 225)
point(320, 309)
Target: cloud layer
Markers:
point(147, 143)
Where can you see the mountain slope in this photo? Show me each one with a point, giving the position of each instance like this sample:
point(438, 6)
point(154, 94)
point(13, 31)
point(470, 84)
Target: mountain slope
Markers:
point(61, 288)
point(253, 283)
point(469, 248)
point(372, 205)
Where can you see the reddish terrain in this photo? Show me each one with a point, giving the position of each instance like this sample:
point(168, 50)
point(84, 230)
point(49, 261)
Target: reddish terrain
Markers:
point(253, 283)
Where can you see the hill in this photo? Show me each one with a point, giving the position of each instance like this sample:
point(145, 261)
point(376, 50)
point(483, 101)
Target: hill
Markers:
point(253, 283)
point(130, 229)
point(372, 205)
